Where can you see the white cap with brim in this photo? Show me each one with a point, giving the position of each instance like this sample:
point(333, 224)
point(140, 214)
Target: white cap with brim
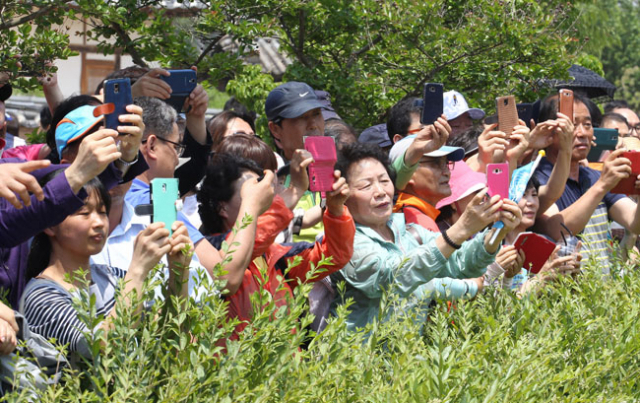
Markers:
point(452, 153)
point(454, 105)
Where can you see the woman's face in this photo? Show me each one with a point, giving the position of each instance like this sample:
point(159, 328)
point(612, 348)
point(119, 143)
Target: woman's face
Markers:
point(238, 126)
point(371, 200)
point(529, 204)
point(84, 232)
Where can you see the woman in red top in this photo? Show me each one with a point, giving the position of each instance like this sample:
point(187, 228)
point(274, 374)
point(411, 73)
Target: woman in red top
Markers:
point(221, 194)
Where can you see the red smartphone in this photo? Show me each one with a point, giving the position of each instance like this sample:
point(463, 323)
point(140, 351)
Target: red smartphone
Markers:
point(498, 179)
point(537, 250)
point(627, 186)
point(565, 104)
point(323, 150)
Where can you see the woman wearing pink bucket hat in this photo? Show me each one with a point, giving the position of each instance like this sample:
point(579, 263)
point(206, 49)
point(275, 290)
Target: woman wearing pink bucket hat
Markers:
point(464, 183)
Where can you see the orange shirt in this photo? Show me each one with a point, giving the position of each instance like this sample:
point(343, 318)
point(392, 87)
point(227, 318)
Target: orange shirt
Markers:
point(417, 211)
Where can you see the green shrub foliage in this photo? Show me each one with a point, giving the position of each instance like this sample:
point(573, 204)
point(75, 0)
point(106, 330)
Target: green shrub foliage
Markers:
point(576, 341)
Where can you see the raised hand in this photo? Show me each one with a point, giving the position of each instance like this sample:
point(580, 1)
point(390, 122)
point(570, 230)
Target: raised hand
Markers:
point(150, 245)
point(479, 213)
point(490, 142)
point(429, 139)
point(518, 142)
point(258, 195)
point(131, 135)
point(339, 194)
point(97, 150)
point(15, 179)
point(150, 85)
point(511, 260)
point(510, 215)
point(615, 168)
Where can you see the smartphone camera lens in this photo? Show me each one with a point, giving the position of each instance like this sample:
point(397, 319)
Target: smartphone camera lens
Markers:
point(432, 89)
point(116, 88)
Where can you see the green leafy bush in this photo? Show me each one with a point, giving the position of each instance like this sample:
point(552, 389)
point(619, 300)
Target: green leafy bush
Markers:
point(577, 341)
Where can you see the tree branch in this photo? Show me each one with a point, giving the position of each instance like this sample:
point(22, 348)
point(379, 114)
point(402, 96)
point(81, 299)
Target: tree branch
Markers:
point(30, 17)
point(299, 55)
point(210, 46)
point(355, 55)
point(126, 39)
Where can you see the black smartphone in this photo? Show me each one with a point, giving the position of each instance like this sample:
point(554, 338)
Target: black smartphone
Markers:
point(525, 113)
point(117, 92)
point(606, 139)
point(432, 104)
point(182, 82)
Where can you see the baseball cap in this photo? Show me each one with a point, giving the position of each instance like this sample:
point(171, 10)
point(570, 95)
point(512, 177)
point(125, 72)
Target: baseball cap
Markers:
point(452, 153)
point(327, 109)
point(290, 100)
point(463, 182)
point(78, 123)
point(375, 134)
point(455, 105)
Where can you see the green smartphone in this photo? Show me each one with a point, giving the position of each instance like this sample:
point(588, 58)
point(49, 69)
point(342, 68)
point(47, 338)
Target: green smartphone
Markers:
point(606, 140)
point(164, 194)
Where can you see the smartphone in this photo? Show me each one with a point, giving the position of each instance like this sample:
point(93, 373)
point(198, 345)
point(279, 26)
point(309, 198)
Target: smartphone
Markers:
point(498, 179)
point(432, 103)
point(164, 194)
point(323, 150)
point(525, 112)
point(507, 114)
point(182, 82)
point(565, 104)
point(627, 186)
point(537, 250)
point(118, 93)
point(606, 139)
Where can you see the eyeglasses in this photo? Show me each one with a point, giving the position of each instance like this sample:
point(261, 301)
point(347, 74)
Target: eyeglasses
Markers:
point(414, 131)
point(177, 147)
point(635, 128)
point(440, 164)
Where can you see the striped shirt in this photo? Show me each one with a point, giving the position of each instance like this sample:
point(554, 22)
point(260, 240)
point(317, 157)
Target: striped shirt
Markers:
point(48, 307)
point(595, 235)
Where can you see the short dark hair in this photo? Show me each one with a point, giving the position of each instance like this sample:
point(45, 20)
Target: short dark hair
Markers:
point(45, 117)
point(233, 104)
point(133, 73)
point(614, 117)
point(61, 111)
point(549, 107)
point(217, 187)
point(400, 117)
point(250, 148)
point(618, 103)
point(468, 140)
point(352, 153)
point(217, 126)
point(341, 131)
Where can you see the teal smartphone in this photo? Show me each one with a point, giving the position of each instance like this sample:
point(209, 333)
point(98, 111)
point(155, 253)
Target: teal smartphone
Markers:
point(606, 140)
point(164, 194)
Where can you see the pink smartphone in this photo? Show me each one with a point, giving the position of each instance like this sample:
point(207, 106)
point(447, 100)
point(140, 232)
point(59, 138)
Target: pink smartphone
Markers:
point(537, 250)
point(498, 179)
point(323, 150)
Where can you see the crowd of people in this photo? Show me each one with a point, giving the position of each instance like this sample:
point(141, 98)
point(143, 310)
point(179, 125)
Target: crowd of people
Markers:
point(409, 212)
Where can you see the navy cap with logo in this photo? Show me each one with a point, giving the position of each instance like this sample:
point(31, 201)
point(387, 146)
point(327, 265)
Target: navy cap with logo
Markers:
point(290, 100)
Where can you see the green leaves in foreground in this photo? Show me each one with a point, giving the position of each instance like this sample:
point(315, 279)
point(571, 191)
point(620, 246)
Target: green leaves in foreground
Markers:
point(575, 342)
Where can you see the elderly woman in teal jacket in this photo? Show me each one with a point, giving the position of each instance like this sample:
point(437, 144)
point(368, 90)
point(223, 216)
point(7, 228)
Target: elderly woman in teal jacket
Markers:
point(407, 259)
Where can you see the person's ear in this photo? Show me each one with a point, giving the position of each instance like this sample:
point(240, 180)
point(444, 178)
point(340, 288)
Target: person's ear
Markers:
point(396, 138)
point(150, 147)
point(223, 212)
point(50, 231)
point(276, 131)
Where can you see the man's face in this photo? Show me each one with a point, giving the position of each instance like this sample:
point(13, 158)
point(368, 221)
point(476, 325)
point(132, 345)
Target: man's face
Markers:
point(290, 132)
point(167, 160)
point(632, 119)
point(460, 124)
point(582, 132)
point(430, 181)
point(623, 128)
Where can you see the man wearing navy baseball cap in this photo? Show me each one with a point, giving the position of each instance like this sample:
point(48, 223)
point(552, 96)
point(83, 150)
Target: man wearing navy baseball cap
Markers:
point(294, 111)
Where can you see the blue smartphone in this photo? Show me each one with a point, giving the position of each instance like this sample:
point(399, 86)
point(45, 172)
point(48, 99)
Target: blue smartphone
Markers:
point(164, 194)
point(432, 103)
point(117, 92)
point(182, 82)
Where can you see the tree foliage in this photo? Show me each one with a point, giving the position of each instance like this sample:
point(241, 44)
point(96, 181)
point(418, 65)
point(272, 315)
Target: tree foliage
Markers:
point(368, 54)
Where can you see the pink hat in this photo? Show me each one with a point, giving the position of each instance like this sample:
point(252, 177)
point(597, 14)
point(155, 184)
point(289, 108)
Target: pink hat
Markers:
point(463, 182)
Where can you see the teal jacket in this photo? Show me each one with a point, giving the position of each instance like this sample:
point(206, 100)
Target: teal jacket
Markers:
point(407, 269)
